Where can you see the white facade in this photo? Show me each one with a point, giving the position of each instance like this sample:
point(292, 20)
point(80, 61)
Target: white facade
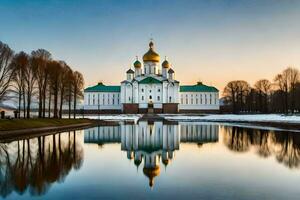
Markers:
point(151, 85)
point(199, 101)
point(102, 101)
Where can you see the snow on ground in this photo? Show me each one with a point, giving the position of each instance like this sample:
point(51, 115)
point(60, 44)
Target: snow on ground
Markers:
point(121, 117)
point(291, 119)
point(236, 118)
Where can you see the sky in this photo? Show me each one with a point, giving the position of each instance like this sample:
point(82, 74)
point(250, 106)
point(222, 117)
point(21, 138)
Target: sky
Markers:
point(213, 41)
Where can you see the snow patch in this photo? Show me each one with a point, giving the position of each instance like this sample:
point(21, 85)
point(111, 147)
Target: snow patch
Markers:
point(236, 118)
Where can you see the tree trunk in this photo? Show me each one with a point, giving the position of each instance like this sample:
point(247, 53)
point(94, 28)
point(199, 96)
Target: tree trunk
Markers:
point(61, 102)
point(24, 104)
point(19, 109)
point(40, 103)
point(28, 106)
point(75, 94)
point(55, 101)
point(69, 100)
point(49, 106)
point(44, 102)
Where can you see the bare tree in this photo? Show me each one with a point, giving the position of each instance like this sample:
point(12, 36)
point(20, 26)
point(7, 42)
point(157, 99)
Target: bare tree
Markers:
point(263, 88)
point(63, 83)
point(30, 79)
point(236, 93)
point(78, 84)
point(40, 58)
point(55, 73)
point(292, 77)
point(69, 90)
point(19, 63)
point(6, 71)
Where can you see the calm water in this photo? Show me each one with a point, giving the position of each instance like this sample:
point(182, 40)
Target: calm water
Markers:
point(153, 160)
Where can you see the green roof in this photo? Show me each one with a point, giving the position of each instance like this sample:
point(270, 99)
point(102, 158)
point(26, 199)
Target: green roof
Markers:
point(103, 88)
point(149, 80)
point(198, 88)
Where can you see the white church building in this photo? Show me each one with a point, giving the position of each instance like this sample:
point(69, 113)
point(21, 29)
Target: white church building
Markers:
point(151, 88)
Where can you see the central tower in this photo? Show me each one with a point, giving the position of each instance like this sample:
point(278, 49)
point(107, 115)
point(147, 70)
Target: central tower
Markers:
point(151, 60)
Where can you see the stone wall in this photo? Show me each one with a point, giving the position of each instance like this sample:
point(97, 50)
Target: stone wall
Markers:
point(130, 108)
point(170, 108)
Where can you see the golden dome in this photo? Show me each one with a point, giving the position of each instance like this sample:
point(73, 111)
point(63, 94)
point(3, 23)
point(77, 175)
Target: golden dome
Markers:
point(151, 173)
point(151, 55)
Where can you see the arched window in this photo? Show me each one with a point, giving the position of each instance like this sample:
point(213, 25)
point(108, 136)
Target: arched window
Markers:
point(170, 99)
point(150, 97)
point(158, 98)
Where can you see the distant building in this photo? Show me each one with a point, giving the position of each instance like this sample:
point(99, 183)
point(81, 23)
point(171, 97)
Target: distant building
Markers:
point(151, 88)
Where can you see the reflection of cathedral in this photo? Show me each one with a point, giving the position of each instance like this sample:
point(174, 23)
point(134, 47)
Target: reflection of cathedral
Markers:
point(152, 141)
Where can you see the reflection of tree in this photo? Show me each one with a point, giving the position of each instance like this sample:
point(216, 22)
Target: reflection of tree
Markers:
point(236, 139)
point(35, 164)
point(285, 146)
point(288, 151)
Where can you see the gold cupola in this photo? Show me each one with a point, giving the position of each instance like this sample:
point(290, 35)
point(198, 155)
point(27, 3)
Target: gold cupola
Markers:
point(151, 55)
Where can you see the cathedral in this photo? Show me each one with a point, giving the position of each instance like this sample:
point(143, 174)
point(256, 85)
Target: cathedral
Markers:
point(151, 88)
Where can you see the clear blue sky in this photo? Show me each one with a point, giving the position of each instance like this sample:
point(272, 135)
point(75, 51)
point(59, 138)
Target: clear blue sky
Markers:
point(215, 41)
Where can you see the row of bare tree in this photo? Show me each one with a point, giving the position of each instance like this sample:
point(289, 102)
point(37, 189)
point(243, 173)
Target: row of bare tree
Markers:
point(37, 77)
point(280, 96)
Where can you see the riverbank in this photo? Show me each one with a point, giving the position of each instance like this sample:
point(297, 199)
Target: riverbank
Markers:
point(26, 128)
point(21, 124)
point(15, 128)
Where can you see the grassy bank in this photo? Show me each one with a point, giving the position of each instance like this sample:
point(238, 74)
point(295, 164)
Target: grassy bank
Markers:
point(19, 124)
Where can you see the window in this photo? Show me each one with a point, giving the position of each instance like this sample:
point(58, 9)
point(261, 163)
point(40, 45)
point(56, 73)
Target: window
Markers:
point(129, 98)
point(158, 98)
point(149, 91)
point(186, 99)
point(89, 99)
point(142, 89)
point(197, 100)
point(98, 99)
point(158, 90)
point(150, 97)
point(142, 98)
point(170, 99)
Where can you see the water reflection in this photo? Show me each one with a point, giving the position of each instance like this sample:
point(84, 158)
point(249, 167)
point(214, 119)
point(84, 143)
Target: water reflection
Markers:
point(32, 166)
point(153, 142)
point(285, 146)
point(35, 164)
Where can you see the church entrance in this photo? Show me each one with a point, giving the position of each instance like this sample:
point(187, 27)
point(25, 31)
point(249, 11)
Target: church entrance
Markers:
point(150, 107)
